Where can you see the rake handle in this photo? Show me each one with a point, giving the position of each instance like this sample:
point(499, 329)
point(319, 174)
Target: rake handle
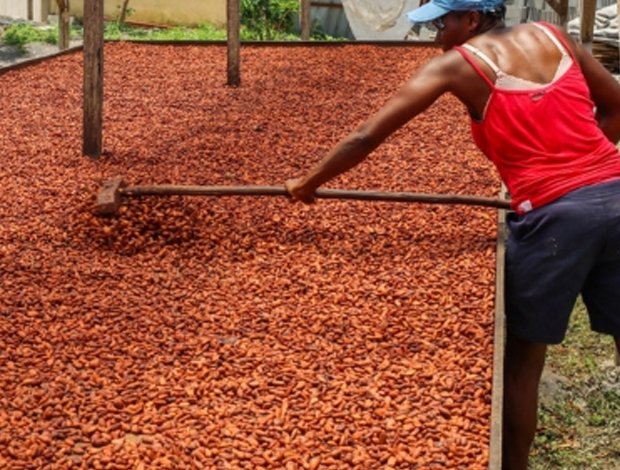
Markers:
point(175, 190)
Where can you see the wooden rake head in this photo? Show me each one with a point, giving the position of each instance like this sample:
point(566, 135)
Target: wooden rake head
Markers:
point(110, 197)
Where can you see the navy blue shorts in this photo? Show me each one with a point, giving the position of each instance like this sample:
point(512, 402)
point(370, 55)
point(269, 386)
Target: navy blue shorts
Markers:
point(558, 251)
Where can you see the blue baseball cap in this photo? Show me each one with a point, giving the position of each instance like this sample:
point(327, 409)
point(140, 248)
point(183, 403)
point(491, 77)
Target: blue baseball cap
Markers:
point(437, 8)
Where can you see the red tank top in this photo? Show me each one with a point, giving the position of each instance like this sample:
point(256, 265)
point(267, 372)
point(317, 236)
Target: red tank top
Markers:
point(545, 142)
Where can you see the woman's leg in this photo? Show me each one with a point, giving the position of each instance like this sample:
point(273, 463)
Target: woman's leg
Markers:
point(523, 366)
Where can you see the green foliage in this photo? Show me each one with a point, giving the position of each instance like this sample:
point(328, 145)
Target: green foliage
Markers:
point(21, 34)
point(117, 30)
point(279, 26)
point(605, 408)
point(268, 19)
point(261, 20)
point(128, 12)
point(202, 32)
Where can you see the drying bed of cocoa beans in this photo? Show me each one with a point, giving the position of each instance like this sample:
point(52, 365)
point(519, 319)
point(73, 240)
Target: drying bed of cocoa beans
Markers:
point(240, 332)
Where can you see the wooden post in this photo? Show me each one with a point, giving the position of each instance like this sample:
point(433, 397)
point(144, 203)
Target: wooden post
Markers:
point(233, 41)
point(30, 13)
point(64, 19)
point(45, 12)
point(93, 77)
point(561, 9)
point(588, 14)
point(305, 20)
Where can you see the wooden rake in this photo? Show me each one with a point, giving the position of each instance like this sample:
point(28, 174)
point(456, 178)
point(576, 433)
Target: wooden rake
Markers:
point(110, 196)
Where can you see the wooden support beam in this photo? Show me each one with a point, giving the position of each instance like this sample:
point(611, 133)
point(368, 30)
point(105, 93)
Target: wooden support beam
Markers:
point(561, 9)
point(305, 19)
point(93, 78)
point(588, 14)
point(45, 11)
point(233, 42)
point(64, 24)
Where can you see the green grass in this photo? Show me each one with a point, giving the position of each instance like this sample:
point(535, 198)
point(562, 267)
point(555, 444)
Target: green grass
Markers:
point(208, 32)
point(22, 34)
point(581, 428)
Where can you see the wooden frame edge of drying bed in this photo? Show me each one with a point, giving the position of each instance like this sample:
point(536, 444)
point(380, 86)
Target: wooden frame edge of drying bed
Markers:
point(292, 43)
point(191, 42)
point(499, 336)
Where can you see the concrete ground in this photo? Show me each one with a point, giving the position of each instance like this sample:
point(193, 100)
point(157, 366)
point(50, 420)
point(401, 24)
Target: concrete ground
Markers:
point(11, 55)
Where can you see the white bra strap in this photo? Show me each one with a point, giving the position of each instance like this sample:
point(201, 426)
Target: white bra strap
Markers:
point(478, 53)
point(553, 37)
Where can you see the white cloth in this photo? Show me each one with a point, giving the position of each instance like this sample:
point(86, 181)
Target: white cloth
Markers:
point(377, 20)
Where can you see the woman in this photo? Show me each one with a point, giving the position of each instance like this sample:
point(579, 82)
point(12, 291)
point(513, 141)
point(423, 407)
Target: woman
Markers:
point(548, 115)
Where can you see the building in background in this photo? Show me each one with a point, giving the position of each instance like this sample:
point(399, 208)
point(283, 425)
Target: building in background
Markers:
point(173, 13)
point(32, 10)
